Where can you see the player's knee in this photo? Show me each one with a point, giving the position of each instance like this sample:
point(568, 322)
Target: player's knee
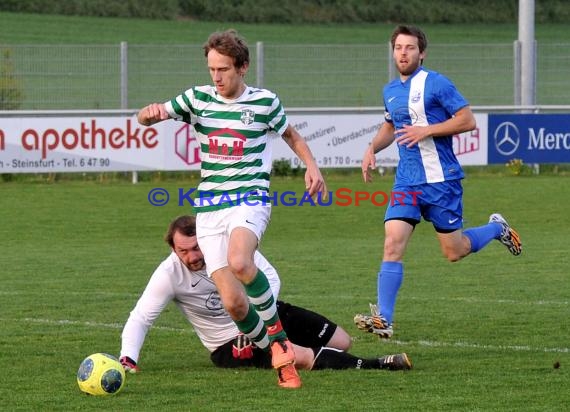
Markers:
point(453, 255)
point(237, 308)
point(304, 357)
point(393, 250)
point(453, 258)
point(241, 267)
point(340, 340)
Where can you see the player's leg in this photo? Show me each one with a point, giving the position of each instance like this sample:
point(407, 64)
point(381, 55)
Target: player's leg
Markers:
point(398, 233)
point(236, 303)
point(321, 344)
point(213, 239)
point(223, 357)
point(454, 245)
point(247, 227)
point(330, 358)
point(402, 215)
point(460, 243)
point(309, 329)
point(390, 277)
point(446, 213)
point(340, 340)
point(240, 257)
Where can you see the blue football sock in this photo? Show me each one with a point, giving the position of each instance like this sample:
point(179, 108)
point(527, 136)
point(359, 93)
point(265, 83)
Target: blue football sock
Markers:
point(389, 282)
point(482, 235)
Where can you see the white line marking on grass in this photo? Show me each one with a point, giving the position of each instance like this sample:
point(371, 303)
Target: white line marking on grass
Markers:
point(514, 348)
point(495, 301)
point(462, 299)
point(93, 324)
point(426, 343)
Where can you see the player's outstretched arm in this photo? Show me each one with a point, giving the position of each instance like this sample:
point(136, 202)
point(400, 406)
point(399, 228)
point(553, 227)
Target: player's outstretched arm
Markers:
point(151, 114)
point(314, 181)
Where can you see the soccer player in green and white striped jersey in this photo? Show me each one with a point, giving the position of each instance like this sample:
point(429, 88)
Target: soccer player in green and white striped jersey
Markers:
point(234, 123)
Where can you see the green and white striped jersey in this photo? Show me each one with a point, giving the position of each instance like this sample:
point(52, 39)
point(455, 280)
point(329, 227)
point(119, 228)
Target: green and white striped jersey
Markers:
point(235, 142)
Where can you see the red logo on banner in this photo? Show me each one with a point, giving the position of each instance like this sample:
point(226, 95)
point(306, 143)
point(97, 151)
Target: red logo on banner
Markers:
point(466, 142)
point(187, 147)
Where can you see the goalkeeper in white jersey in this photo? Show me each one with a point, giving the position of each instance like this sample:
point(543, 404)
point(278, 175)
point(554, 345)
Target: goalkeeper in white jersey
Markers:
point(234, 124)
point(318, 343)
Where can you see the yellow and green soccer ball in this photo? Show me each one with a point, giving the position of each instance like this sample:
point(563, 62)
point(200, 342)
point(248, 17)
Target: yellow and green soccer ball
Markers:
point(101, 374)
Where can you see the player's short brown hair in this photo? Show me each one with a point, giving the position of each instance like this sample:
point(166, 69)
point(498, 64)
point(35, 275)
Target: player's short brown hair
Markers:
point(184, 224)
point(410, 31)
point(229, 43)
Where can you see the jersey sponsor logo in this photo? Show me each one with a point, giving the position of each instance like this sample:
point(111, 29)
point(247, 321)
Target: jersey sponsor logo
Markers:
point(404, 116)
point(247, 116)
point(207, 113)
point(226, 144)
point(507, 138)
point(214, 303)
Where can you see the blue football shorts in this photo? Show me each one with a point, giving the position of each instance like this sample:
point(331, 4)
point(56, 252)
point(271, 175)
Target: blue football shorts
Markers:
point(439, 203)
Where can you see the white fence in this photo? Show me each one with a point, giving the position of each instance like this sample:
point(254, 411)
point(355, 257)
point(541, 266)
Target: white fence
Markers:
point(94, 77)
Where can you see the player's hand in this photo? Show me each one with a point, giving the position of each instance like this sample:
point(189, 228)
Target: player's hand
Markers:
point(129, 365)
point(242, 347)
point(368, 164)
point(153, 113)
point(409, 136)
point(315, 183)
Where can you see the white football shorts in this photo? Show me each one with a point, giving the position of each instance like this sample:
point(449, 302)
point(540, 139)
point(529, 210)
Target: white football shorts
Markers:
point(213, 230)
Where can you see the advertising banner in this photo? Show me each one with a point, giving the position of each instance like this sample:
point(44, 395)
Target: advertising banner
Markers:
point(118, 143)
point(339, 140)
point(533, 138)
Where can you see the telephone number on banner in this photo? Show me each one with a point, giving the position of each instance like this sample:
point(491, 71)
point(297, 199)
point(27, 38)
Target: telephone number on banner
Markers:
point(330, 161)
point(64, 163)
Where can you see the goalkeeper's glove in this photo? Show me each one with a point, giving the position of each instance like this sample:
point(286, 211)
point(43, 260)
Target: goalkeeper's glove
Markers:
point(129, 365)
point(242, 347)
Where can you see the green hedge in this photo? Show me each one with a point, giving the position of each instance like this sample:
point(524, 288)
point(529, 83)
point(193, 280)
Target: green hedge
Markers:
point(154, 9)
point(302, 11)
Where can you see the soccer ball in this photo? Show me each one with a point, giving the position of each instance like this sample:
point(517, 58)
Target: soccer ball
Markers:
point(100, 374)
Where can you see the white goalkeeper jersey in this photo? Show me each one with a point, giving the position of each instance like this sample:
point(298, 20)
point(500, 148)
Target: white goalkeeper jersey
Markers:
point(195, 295)
point(235, 142)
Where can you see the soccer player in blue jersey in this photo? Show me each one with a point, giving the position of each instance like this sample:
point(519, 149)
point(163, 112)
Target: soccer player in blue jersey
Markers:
point(423, 110)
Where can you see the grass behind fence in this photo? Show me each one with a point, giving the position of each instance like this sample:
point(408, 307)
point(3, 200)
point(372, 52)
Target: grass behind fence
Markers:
point(484, 333)
point(303, 75)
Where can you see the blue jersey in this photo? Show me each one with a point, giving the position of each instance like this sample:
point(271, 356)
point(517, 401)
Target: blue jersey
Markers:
point(425, 98)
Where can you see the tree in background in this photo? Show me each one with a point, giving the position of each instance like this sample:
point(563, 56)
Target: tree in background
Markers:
point(11, 95)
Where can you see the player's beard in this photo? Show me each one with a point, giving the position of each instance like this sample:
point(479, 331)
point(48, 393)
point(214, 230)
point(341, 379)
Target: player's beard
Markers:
point(409, 67)
point(196, 265)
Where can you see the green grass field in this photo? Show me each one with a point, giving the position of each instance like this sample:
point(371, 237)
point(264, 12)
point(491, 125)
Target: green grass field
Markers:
point(483, 333)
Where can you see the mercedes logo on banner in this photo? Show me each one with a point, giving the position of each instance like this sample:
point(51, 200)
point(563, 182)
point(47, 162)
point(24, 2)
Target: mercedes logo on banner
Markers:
point(507, 138)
